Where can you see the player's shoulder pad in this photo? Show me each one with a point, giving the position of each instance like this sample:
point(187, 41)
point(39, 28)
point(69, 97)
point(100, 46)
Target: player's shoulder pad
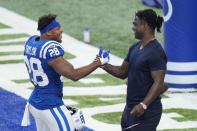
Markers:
point(52, 47)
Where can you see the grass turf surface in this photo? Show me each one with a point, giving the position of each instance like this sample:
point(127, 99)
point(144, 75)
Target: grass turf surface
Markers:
point(12, 36)
point(108, 80)
point(2, 26)
point(188, 114)
point(92, 101)
point(67, 56)
point(13, 43)
point(11, 53)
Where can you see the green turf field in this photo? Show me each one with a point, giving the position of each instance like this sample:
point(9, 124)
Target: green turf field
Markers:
point(2, 26)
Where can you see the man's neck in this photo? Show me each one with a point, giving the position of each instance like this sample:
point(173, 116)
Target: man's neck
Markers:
point(145, 40)
point(42, 37)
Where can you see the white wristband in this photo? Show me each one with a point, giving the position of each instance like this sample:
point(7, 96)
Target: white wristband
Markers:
point(143, 105)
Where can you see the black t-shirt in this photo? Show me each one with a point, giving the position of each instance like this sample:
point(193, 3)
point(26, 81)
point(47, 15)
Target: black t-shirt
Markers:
point(141, 62)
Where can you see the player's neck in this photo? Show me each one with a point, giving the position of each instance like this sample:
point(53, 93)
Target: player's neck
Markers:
point(42, 37)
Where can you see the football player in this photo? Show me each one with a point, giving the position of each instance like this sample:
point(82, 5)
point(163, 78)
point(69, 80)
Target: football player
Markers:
point(44, 60)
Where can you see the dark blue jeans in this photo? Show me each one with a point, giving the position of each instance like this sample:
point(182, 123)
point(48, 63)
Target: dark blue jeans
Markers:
point(147, 122)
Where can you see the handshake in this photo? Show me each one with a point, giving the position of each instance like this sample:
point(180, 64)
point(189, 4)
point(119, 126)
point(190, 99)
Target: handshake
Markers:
point(104, 56)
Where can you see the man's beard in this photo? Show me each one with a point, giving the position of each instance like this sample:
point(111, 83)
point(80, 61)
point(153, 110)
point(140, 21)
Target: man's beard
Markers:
point(139, 35)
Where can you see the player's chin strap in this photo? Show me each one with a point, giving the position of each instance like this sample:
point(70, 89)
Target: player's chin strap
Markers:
point(25, 120)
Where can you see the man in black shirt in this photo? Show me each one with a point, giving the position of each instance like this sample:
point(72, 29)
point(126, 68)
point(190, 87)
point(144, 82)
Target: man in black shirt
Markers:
point(145, 67)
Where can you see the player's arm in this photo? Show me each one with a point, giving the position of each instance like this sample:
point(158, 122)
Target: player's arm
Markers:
point(157, 63)
point(158, 77)
point(63, 67)
point(117, 71)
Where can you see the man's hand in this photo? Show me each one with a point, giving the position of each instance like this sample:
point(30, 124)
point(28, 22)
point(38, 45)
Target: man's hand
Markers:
point(97, 60)
point(104, 56)
point(137, 110)
point(164, 88)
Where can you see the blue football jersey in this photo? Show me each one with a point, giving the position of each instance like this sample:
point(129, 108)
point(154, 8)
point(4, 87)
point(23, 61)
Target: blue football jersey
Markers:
point(48, 84)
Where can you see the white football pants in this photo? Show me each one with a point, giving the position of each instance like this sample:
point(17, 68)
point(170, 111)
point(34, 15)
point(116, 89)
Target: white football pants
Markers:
point(56, 119)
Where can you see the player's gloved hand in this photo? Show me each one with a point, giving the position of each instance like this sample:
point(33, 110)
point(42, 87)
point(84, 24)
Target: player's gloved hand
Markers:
point(104, 56)
point(77, 116)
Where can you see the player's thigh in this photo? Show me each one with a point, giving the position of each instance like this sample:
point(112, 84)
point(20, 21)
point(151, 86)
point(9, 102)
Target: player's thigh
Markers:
point(59, 119)
point(38, 117)
point(68, 116)
point(40, 125)
point(34, 111)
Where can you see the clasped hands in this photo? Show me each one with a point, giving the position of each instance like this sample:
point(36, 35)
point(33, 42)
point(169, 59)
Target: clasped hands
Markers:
point(104, 56)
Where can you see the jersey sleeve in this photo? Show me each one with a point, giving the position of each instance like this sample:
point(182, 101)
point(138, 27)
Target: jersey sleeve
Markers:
point(157, 61)
point(53, 51)
point(128, 55)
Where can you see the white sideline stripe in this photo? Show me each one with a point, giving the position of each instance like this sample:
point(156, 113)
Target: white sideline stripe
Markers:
point(91, 80)
point(173, 114)
point(12, 57)
point(181, 79)
point(182, 66)
point(69, 102)
point(10, 31)
point(14, 40)
point(11, 48)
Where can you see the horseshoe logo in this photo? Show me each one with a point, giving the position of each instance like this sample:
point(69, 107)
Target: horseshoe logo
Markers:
point(169, 13)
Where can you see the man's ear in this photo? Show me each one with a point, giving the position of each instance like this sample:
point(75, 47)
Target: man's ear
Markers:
point(146, 26)
point(49, 33)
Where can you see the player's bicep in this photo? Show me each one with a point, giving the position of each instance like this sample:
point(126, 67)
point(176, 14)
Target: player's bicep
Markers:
point(158, 76)
point(62, 66)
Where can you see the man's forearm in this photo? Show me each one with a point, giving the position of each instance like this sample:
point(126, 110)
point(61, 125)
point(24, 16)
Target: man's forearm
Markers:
point(153, 93)
point(115, 71)
point(84, 71)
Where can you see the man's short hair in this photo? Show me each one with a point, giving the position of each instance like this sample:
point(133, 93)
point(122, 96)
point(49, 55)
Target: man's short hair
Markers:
point(45, 20)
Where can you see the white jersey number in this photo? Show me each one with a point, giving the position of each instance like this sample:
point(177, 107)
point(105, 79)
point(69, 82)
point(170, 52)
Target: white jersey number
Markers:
point(54, 52)
point(37, 72)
